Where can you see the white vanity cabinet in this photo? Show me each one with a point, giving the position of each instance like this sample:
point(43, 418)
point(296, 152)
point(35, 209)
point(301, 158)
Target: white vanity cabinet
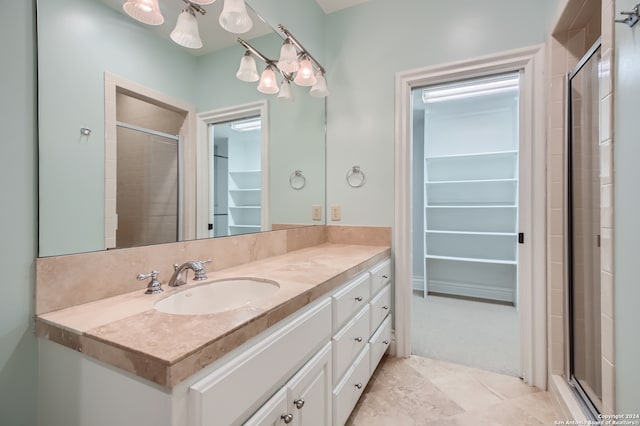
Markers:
point(362, 334)
point(304, 400)
point(309, 369)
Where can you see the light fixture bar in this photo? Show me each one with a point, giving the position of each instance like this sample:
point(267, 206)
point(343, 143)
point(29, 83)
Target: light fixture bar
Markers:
point(256, 52)
point(196, 7)
point(247, 125)
point(300, 47)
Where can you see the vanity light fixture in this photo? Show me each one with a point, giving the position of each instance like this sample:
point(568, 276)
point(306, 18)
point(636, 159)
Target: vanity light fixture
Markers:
point(295, 64)
point(234, 17)
point(268, 83)
point(186, 31)
point(319, 90)
point(248, 71)
point(285, 91)
point(145, 11)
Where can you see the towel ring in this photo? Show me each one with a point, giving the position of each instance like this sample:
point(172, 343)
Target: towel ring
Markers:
point(297, 180)
point(356, 177)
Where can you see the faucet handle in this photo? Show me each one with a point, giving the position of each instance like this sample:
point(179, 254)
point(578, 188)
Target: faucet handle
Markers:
point(154, 286)
point(201, 274)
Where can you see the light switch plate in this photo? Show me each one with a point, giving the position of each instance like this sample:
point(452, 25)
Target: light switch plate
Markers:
point(316, 212)
point(335, 212)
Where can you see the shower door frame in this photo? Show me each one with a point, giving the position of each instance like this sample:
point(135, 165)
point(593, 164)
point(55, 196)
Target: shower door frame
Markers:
point(583, 397)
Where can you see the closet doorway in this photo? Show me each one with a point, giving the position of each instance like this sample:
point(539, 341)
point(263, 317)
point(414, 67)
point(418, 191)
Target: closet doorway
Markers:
point(466, 139)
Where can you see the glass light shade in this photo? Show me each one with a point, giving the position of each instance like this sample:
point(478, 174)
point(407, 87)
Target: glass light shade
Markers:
point(234, 17)
point(285, 91)
point(248, 71)
point(268, 83)
point(288, 61)
point(145, 11)
point(304, 76)
point(202, 2)
point(319, 90)
point(186, 31)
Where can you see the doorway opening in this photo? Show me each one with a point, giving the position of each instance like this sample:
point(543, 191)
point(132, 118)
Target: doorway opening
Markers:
point(465, 199)
point(236, 177)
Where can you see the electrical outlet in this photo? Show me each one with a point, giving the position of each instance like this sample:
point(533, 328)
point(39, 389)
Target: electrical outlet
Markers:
point(335, 212)
point(316, 212)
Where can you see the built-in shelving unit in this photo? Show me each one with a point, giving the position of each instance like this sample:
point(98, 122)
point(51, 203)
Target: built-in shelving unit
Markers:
point(244, 201)
point(470, 216)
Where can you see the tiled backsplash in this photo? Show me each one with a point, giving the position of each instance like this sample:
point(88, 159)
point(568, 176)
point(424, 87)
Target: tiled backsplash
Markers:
point(64, 281)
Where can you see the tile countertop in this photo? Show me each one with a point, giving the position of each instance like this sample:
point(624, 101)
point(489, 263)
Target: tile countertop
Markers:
point(125, 331)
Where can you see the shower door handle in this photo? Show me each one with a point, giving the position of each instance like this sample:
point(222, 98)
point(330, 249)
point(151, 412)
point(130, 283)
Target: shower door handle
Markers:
point(521, 238)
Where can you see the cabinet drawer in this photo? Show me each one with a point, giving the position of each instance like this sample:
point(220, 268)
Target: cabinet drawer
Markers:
point(379, 344)
point(380, 306)
point(270, 414)
point(349, 390)
point(349, 341)
point(380, 276)
point(241, 385)
point(350, 299)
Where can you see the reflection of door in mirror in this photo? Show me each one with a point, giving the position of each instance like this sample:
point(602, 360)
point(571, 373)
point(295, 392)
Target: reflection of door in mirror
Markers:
point(146, 199)
point(147, 175)
point(236, 173)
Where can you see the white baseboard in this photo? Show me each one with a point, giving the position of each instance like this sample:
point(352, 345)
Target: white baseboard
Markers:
point(472, 290)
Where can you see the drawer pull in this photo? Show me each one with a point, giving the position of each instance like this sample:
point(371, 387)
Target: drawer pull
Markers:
point(288, 418)
point(359, 298)
point(386, 342)
point(299, 403)
point(386, 308)
point(359, 385)
point(358, 339)
point(385, 276)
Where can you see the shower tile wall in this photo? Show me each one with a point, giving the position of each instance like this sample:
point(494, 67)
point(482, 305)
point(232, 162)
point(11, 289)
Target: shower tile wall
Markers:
point(578, 28)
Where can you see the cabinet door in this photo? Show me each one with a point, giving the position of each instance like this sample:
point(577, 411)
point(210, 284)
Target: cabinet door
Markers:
point(273, 412)
point(309, 391)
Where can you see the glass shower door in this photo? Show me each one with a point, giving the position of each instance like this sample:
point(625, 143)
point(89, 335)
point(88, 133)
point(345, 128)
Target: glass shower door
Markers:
point(584, 228)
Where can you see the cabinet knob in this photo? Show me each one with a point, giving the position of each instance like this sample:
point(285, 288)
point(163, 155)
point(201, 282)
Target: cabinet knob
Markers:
point(288, 418)
point(386, 308)
point(359, 385)
point(385, 276)
point(358, 339)
point(299, 403)
point(386, 342)
point(359, 298)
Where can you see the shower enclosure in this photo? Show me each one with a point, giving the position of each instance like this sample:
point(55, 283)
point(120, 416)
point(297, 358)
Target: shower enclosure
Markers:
point(583, 178)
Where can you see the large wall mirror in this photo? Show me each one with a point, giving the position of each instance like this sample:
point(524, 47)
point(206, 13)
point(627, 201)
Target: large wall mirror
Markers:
point(143, 141)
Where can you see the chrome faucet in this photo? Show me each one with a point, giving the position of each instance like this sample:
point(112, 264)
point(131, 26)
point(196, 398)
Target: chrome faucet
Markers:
point(179, 276)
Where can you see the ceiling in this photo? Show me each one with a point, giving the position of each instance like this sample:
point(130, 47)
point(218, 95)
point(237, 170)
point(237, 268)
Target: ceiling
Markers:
point(329, 6)
point(213, 36)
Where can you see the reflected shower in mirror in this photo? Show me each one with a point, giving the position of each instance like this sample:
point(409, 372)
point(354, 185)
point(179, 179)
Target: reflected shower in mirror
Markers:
point(90, 56)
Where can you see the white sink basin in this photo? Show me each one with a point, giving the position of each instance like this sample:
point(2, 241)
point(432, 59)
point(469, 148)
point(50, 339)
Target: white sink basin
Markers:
point(218, 296)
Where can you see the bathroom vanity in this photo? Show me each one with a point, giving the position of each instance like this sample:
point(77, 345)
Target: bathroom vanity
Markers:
point(301, 356)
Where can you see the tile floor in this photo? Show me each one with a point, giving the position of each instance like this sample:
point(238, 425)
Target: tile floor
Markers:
point(423, 391)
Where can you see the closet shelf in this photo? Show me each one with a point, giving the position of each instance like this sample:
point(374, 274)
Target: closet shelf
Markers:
point(472, 259)
point(245, 226)
point(247, 207)
point(245, 190)
point(499, 234)
point(477, 154)
point(468, 206)
point(470, 181)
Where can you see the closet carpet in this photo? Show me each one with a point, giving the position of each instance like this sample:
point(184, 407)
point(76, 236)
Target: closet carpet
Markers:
point(467, 332)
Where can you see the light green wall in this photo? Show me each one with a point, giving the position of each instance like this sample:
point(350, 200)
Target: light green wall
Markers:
point(18, 229)
point(626, 152)
point(367, 44)
point(78, 41)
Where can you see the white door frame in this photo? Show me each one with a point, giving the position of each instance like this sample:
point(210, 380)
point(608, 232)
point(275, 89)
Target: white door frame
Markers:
point(203, 120)
point(532, 254)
